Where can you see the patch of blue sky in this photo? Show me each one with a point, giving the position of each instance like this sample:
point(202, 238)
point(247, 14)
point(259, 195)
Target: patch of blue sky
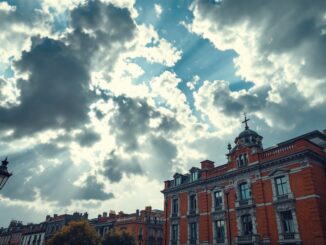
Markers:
point(199, 56)
point(150, 70)
point(8, 72)
point(60, 20)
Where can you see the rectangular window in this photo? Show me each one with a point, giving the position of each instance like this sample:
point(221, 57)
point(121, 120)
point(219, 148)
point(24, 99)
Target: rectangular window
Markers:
point(174, 232)
point(220, 231)
point(178, 180)
point(218, 199)
point(194, 176)
point(244, 191)
point(287, 222)
point(175, 206)
point(192, 203)
point(246, 223)
point(193, 233)
point(281, 185)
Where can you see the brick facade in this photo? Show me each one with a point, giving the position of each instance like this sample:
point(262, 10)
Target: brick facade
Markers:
point(145, 226)
point(260, 196)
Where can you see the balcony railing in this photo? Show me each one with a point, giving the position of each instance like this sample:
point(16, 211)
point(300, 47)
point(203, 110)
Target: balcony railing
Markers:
point(192, 211)
point(289, 236)
point(243, 202)
point(192, 241)
point(244, 239)
point(220, 240)
point(218, 208)
point(282, 197)
point(174, 215)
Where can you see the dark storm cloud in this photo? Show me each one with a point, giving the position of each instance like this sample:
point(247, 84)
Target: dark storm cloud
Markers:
point(88, 138)
point(93, 190)
point(56, 94)
point(115, 166)
point(163, 152)
point(132, 118)
point(246, 102)
point(54, 181)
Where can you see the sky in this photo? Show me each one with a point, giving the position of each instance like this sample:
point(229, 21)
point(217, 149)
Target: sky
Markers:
point(103, 100)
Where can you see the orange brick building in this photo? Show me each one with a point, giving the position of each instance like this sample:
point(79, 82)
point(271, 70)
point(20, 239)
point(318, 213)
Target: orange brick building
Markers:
point(260, 196)
point(145, 226)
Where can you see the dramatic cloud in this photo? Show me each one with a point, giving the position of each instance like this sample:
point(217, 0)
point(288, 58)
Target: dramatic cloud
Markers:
point(115, 167)
point(57, 93)
point(101, 98)
point(286, 66)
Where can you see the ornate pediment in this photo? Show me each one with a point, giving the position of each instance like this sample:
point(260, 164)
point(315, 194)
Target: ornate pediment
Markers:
point(279, 171)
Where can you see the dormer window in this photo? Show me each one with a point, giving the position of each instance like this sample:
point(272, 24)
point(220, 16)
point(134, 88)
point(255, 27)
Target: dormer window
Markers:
point(178, 180)
point(194, 176)
point(242, 160)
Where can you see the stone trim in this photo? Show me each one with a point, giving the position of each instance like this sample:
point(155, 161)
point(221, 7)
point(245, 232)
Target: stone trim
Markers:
point(249, 169)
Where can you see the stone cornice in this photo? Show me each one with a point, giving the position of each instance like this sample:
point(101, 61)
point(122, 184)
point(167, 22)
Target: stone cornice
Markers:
point(307, 153)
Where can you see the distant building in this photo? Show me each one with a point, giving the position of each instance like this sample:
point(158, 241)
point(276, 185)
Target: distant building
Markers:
point(12, 235)
point(57, 222)
point(145, 226)
point(34, 234)
point(260, 196)
point(104, 223)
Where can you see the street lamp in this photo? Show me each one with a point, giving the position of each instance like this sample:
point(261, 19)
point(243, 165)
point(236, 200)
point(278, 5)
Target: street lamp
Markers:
point(4, 174)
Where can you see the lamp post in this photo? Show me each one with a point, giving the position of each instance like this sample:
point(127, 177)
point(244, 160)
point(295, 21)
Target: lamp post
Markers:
point(4, 174)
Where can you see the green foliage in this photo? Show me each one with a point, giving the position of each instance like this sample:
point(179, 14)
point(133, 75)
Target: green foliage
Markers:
point(113, 238)
point(76, 233)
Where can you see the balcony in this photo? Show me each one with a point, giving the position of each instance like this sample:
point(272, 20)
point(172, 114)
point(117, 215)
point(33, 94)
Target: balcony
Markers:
point(290, 238)
point(193, 241)
point(283, 198)
point(220, 240)
point(174, 215)
point(245, 239)
point(245, 203)
point(218, 208)
point(192, 212)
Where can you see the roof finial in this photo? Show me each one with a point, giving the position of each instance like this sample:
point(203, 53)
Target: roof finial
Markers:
point(245, 121)
point(229, 147)
point(5, 162)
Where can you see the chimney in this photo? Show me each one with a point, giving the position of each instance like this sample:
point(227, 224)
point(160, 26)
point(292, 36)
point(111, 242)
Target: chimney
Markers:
point(207, 164)
point(47, 218)
point(137, 212)
point(166, 184)
point(55, 215)
point(99, 216)
point(85, 215)
point(105, 214)
point(112, 214)
point(148, 208)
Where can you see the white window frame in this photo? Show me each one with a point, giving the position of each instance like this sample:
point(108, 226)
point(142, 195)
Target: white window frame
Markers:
point(216, 189)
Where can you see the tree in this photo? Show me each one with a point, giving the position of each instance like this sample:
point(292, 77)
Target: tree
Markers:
point(75, 233)
point(113, 238)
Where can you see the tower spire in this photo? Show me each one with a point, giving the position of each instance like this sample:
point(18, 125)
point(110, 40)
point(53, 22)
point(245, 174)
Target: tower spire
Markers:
point(246, 121)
